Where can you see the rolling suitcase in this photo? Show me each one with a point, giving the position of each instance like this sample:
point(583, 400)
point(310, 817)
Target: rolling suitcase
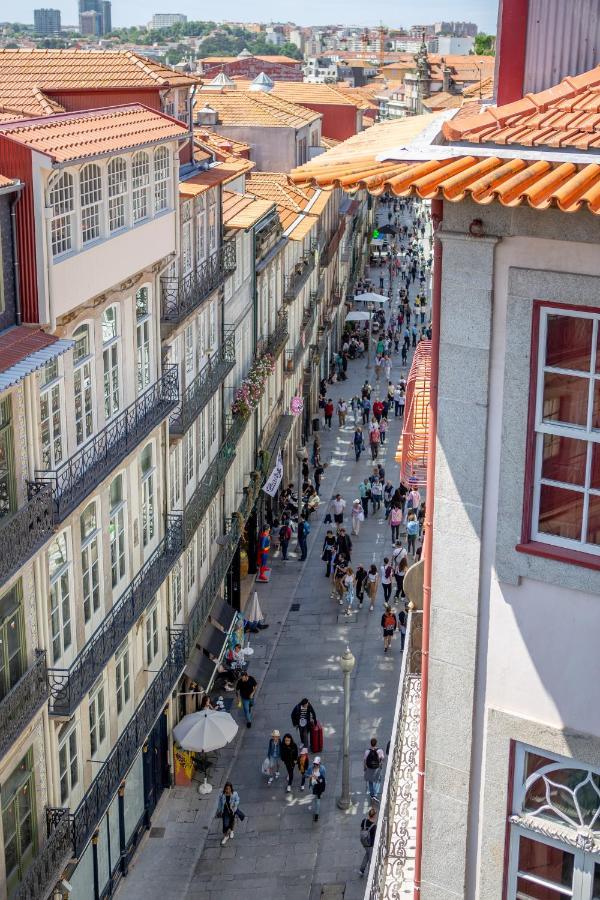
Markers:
point(316, 737)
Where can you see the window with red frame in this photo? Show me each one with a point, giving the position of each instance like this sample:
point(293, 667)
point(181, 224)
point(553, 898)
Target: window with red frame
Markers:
point(566, 492)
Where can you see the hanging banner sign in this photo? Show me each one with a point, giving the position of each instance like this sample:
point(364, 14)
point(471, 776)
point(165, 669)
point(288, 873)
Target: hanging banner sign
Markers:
point(272, 483)
point(296, 406)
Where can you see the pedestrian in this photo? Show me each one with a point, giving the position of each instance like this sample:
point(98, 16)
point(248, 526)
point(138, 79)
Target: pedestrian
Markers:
point(389, 623)
point(386, 572)
point(316, 450)
point(274, 755)
point(388, 493)
point(328, 412)
point(342, 409)
point(359, 444)
point(376, 495)
point(318, 475)
point(285, 534)
point(328, 553)
point(412, 530)
point(366, 410)
point(317, 786)
point(303, 716)
point(339, 570)
point(377, 409)
point(374, 439)
point(245, 689)
point(372, 585)
point(343, 544)
point(372, 765)
point(338, 505)
point(382, 430)
point(368, 830)
point(228, 809)
point(289, 757)
point(364, 492)
point(359, 584)
point(303, 532)
point(395, 521)
point(413, 500)
point(303, 764)
point(349, 592)
point(357, 516)
point(402, 627)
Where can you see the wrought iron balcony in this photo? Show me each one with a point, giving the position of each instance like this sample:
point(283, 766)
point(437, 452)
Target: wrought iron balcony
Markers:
point(332, 244)
point(68, 686)
point(295, 281)
point(81, 473)
point(293, 358)
point(275, 342)
point(181, 296)
point(19, 706)
point(198, 393)
point(25, 530)
point(47, 867)
point(212, 480)
point(308, 320)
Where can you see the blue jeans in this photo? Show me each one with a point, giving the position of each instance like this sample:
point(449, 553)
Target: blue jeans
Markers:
point(247, 707)
point(316, 805)
point(303, 549)
point(373, 789)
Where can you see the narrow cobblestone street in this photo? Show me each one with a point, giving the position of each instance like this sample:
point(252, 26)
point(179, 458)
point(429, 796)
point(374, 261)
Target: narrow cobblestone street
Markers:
point(278, 851)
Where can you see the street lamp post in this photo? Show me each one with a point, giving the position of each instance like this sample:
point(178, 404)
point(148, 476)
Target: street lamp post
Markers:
point(347, 662)
point(300, 455)
point(369, 308)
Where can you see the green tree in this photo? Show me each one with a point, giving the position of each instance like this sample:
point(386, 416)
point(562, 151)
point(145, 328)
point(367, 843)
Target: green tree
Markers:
point(290, 50)
point(484, 44)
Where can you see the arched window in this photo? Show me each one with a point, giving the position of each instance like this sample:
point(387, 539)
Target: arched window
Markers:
point(161, 178)
point(90, 194)
point(140, 178)
point(61, 201)
point(117, 191)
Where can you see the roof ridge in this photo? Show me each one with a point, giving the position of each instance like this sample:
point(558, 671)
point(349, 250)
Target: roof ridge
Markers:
point(141, 64)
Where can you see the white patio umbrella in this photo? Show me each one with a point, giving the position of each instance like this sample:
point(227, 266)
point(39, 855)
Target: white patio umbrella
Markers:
point(254, 613)
point(358, 315)
point(204, 731)
point(370, 297)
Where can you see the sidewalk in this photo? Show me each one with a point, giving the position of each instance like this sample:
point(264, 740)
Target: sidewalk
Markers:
point(278, 852)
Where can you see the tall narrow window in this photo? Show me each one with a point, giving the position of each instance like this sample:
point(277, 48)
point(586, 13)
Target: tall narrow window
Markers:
point(90, 197)
point(122, 677)
point(212, 227)
point(190, 566)
point(68, 761)
point(212, 521)
point(59, 602)
point(189, 349)
point(202, 437)
point(13, 660)
point(175, 478)
point(212, 325)
point(151, 634)
point(97, 715)
point(82, 384)
point(188, 456)
point(186, 248)
point(142, 329)
point(116, 530)
point(200, 232)
point(117, 193)
point(62, 201)
point(51, 416)
point(148, 499)
point(90, 567)
point(110, 362)
point(162, 173)
point(213, 420)
point(140, 180)
point(176, 593)
point(19, 822)
point(7, 459)
point(202, 556)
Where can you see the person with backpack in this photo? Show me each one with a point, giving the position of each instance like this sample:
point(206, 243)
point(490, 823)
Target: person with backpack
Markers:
point(317, 786)
point(386, 572)
point(344, 544)
point(376, 494)
point(389, 623)
point(368, 829)
point(372, 585)
point(303, 532)
point(395, 521)
point(285, 534)
point(303, 716)
point(372, 764)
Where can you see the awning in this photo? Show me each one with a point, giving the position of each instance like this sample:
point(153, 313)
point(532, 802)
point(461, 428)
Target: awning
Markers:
point(200, 668)
point(212, 644)
point(413, 446)
point(23, 350)
point(280, 434)
point(223, 614)
point(211, 639)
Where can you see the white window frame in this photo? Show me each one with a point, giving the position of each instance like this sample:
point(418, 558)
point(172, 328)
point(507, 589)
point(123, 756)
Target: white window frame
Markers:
point(212, 419)
point(562, 430)
point(188, 457)
point(190, 566)
point(71, 770)
point(143, 344)
point(162, 178)
point(59, 602)
point(187, 255)
point(118, 179)
point(175, 478)
point(92, 597)
point(149, 500)
point(202, 440)
point(111, 368)
point(141, 209)
point(83, 387)
point(200, 234)
point(98, 717)
point(117, 534)
point(62, 223)
point(151, 635)
point(52, 430)
point(176, 592)
point(91, 218)
point(203, 553)
point(189, 346)
point(123, 692)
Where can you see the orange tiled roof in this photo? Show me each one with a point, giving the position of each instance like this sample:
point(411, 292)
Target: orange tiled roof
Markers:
point(244, 108)
point(513, 181)
point(219, 145)
point(443, 100)
point(7, 182)
point(221, 173)
point(284, 60)
point(71, 136)
point(291, 200)
point(29, 78)
point(243, 210)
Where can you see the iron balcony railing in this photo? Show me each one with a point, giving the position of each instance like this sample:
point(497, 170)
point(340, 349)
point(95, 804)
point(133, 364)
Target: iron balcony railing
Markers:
point(395, 835)
point(200, 390)
point(332, 244)
point(24, 531)
point(47, 867)
point(295, 281)
point(68, 686)
point(81, 473)
point(274, 342)
point(293, 358)
point(181, 296)
point(308, 320)
point(212, 480)
point(20, 704)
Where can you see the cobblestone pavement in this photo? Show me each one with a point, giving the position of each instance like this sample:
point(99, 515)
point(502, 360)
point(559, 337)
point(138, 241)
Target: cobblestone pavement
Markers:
point(278, 851)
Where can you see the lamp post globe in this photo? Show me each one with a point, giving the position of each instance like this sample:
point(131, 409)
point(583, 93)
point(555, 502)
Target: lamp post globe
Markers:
point(347, 661)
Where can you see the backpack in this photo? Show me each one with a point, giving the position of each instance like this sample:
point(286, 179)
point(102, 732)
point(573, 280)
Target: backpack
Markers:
point(373, 761)
point(365, 833)
point(285, 533)
point(396, 516)
point(389, 620)
point(388, 571)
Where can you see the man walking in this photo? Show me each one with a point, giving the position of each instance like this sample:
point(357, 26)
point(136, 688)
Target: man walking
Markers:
point(368, 829)
point(372, 763)
point(303, 716)
point(338, 505)
point(344, 544)
point(364, 492)
point(245, 689)
point(303, 530)
point(285, 533)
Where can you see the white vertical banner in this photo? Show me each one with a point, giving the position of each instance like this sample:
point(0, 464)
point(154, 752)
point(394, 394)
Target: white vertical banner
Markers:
point(272, 483)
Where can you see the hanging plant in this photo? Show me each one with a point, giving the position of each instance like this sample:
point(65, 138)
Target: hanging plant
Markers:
point(247, 397)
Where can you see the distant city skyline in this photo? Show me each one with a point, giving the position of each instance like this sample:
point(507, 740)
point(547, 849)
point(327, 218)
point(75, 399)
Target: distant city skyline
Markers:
point(314, 12)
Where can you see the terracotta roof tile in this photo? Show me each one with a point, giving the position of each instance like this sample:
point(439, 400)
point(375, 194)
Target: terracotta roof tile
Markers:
point(7, 182)
point(24, 349)
point(243, 210)
point(71, 136)
point(221, 173)
point(237, 107)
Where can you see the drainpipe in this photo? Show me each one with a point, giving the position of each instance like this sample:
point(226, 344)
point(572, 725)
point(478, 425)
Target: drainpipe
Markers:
point(437, 211)
point(15, 252)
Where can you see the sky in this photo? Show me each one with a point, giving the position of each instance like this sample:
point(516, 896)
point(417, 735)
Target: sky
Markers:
point(314, 12)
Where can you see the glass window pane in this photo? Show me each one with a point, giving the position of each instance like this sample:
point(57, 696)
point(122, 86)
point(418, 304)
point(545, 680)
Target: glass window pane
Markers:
point(527, 890)
point(569, 342)
point(596, 405)
point(564, 459)
point(593, 525)
point(552, 864)
point(561, 512)
point(565, 399)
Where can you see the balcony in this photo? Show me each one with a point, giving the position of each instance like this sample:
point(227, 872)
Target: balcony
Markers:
point(391, 873)
point(79, 475)
point(20, 705)
point(276, 341)
point(181, 296)
point(308, 320)
point(293, 358)
point(332, 245)
point(47, 867)
point(198, 393)
point(24, 531)
point(293, 283)
point(212, 480)
point(68, 686)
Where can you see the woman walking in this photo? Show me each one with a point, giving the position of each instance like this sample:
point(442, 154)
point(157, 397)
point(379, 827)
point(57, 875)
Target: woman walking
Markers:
point(395, 522)
point(303, 763)
point(400, 568)
point(274, 755)
point(357, 516)
point(360, 578)
point(328, 551)
point(289, 757)
point(389, 623)
point(317, 786)
point(227, 810)
point(382, 430)
point(359, 443)
point(412, 530)
point(348, 584)
point(372, 585)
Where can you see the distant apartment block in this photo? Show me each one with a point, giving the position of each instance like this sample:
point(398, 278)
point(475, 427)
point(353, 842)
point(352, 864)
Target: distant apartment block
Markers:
point(95, 17)
point(457, 29)
point(165, 20)
point(46, 21)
